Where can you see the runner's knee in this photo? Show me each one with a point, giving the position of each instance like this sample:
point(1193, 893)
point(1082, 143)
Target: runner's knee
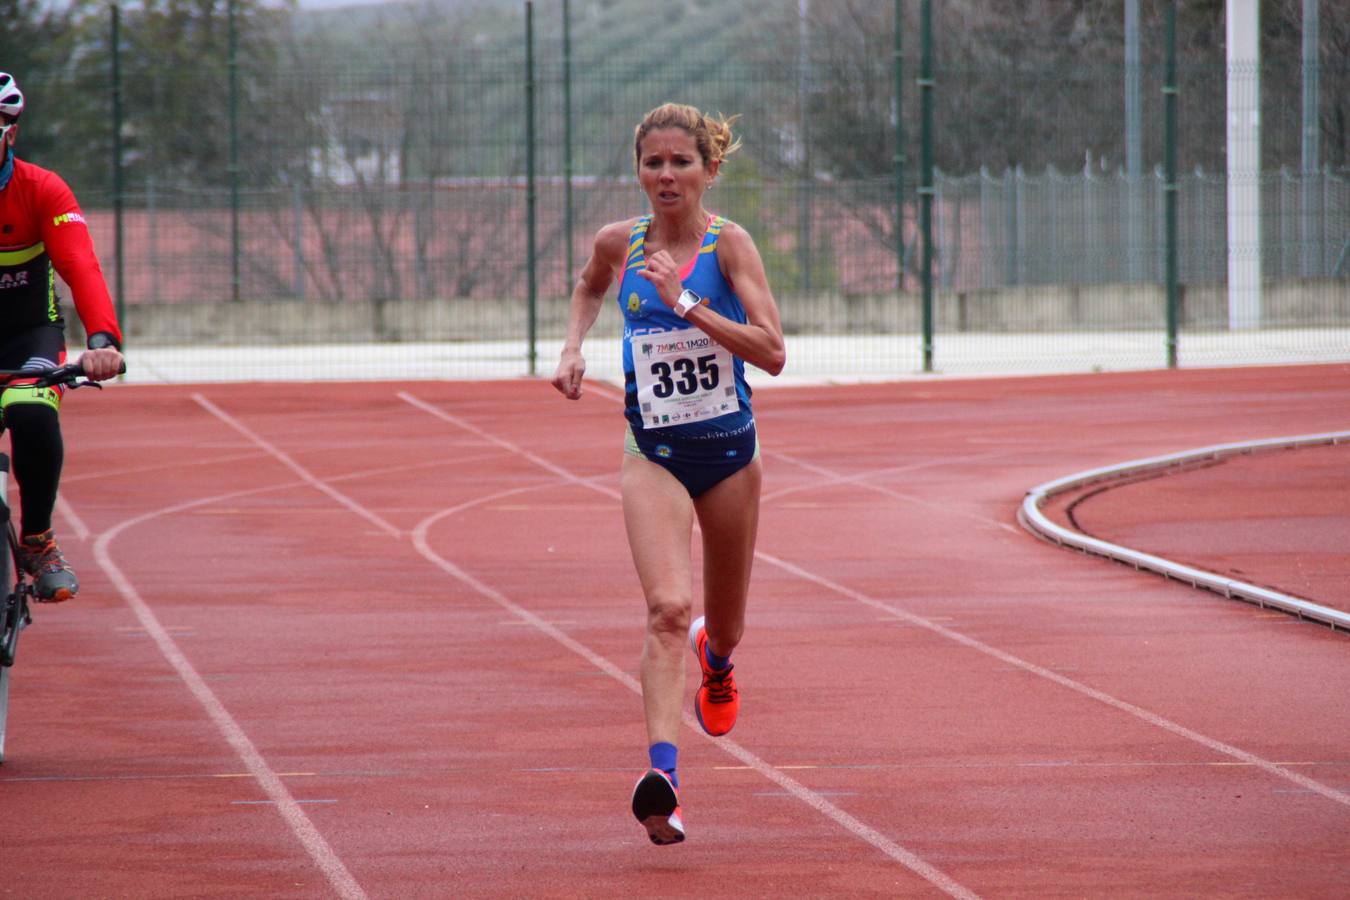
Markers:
point(668, 619)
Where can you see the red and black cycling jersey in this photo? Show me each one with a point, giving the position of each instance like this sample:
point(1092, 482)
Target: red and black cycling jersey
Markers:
point(43, 234)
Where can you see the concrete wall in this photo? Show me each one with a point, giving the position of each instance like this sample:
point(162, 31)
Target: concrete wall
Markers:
point(1042, 308)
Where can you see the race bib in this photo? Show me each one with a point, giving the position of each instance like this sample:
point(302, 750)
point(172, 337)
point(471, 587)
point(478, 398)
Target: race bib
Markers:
point(682, 377)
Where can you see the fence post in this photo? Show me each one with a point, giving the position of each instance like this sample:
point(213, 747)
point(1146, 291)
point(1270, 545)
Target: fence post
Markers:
point(926, 175)
point(1312, 236)
point(1329, 242)
point(297, 212)
point(232, 66)
point(118, 267)
point(568, 214)
point(152, 235)
point(1170, 184)
point(1134, 165)
point(1243, 49)
point(1092, 262)
point(988, 270)
point(806, 200)
point(1021, 224)
point(899, 159)
point(532, 352)
point(1009, 228)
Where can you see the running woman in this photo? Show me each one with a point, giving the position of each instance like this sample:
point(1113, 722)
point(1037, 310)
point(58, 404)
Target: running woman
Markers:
point(42, 235)
point(697, 307)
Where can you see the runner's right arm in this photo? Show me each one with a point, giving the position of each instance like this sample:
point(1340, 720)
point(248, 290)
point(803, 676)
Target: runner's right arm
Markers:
point(587, 297)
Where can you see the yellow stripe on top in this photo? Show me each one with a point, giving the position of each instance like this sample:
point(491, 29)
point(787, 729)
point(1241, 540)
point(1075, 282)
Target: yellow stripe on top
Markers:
point(19, 257)
point(53, 311)
point(636, 238)
point(714, 229)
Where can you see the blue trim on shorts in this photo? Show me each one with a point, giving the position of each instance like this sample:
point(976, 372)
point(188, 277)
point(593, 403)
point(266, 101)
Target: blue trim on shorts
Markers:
point(699, 464)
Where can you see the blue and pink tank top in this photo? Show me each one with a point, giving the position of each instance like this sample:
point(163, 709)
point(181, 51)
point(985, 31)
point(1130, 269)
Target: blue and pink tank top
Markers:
point(676, 378)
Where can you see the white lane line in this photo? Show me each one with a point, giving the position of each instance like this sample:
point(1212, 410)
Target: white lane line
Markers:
point(318, 849)
point(749, 760)
point(860, 481)
point(816, 801)
point(295, 466)
point(1076, 686)
point(905, 857)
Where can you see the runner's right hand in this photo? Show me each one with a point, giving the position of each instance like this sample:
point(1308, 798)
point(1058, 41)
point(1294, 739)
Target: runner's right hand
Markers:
point(567, 377)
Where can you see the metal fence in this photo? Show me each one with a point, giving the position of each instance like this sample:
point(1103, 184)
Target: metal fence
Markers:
point(462, 237)
point(999, 230)
point(392, 204)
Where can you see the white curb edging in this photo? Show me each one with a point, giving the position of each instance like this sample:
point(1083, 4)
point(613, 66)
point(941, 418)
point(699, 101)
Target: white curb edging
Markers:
point(1031, 518)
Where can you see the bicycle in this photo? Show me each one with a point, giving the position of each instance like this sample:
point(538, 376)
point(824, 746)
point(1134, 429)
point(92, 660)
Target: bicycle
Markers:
point(17, 614)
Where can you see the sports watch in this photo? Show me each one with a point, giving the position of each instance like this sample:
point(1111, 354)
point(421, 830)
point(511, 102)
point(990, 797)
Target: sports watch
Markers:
point(688, 300)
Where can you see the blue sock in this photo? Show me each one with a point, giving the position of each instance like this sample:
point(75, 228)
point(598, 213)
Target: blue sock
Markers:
point(663, 756)
point(718, 663)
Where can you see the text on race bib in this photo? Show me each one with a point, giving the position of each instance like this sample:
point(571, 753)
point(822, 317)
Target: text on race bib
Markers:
point(682, 377)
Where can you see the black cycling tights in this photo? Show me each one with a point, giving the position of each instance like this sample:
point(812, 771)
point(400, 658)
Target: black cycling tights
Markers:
point(35, 438)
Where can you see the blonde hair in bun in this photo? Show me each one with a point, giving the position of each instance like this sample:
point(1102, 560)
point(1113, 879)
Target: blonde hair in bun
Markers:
point(711, 132)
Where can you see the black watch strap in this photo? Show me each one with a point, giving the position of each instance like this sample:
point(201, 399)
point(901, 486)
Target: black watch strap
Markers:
point(100, 339)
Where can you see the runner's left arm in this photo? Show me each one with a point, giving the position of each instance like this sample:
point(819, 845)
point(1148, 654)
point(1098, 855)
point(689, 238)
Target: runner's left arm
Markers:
point(760, 340)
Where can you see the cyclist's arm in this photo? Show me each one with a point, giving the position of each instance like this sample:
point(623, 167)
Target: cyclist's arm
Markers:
point(66, 236)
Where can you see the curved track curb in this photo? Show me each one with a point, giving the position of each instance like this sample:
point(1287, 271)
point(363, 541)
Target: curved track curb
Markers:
point(1032, 519)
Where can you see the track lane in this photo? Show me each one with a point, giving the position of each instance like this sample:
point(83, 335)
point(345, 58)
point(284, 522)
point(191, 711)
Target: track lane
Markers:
point(1009, 786)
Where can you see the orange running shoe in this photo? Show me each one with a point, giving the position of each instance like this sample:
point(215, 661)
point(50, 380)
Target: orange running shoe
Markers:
point(717, 701)
point(656, 804)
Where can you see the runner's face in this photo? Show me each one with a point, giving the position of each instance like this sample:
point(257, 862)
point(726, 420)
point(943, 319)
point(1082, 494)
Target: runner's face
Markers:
point(671, 171)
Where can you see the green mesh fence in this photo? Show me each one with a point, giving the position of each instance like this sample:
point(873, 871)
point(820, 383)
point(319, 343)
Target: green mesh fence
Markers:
point(379, 209)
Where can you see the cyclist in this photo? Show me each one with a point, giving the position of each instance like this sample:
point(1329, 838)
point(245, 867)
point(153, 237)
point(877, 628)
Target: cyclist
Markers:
point(43, 234)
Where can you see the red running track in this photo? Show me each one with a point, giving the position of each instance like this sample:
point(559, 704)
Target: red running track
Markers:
point(381, 640)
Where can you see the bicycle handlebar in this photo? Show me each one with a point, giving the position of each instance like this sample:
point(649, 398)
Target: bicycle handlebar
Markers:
point(70, 374)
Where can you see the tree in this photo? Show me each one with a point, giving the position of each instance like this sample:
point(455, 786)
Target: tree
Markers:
point(37, 46)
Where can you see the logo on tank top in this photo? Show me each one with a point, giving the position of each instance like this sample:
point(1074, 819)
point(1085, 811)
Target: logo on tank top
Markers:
point(635, 307)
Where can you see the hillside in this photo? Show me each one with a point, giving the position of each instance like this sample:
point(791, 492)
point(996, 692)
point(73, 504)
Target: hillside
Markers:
point(695, 30)
point(466, 58)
